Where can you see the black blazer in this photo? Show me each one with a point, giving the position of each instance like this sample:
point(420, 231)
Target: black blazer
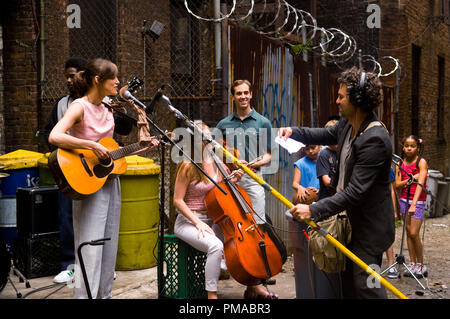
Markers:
point(366, 195)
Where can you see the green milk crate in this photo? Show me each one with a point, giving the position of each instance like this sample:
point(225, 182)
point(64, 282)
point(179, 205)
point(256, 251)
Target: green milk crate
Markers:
point(184, 270)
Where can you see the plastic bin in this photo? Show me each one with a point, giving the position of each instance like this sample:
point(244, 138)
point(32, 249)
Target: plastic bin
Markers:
point(8, 220)
point(184, 265)
point(447, 208)
point(434, 177)
point(139, 220)
point(22, 167)
point(441, 198)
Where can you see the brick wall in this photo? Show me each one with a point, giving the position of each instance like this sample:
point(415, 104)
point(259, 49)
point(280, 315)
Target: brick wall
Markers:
point(56, 35)
point(403, 23)
point(416, 22)
point(20, 75)
point(2, 102)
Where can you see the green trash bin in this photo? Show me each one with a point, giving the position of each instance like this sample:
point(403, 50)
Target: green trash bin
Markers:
point(139, 220)
point(45, 175)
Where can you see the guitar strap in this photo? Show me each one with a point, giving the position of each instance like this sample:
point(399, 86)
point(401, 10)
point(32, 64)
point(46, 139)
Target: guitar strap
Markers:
point(119, 110)
point(141, 123)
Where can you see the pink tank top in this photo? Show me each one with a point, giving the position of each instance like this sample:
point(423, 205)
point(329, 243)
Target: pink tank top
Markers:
point(195, 194)
point(412, 170)
point(97, 122)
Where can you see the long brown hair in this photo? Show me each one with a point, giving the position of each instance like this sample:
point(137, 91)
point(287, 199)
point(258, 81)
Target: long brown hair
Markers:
point(192, 172)
point(102, 68)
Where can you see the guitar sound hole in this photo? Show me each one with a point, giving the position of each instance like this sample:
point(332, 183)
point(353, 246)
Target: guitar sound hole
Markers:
point(101, 170)
point(106, 161)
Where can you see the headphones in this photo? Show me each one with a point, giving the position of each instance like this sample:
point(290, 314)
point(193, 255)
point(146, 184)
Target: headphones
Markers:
point(357, 96)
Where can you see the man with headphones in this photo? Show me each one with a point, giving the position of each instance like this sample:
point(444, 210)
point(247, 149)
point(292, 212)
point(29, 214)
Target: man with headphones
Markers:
point(361, 181)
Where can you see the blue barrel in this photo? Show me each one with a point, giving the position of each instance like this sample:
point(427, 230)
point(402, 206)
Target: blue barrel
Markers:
point(21, 168)
point(8, 220)
point(25, 177)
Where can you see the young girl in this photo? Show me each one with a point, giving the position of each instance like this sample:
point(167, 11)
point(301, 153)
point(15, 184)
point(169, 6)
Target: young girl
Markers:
point(414, 164)
point(98, 215)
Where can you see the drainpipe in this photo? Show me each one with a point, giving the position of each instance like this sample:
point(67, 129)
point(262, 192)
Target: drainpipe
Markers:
point(397, 102)
point(217, 35)
point(42, 35)
point(311, 99)
point(42, 62)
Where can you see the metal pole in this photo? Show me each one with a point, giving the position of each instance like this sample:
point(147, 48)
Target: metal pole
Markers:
point(217, 35)
point(311, 99)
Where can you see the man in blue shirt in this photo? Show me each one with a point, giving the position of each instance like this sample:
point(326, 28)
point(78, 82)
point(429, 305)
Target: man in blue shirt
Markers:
point(250, 133)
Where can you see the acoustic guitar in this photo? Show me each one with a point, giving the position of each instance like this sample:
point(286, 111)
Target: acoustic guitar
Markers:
point(79, 172)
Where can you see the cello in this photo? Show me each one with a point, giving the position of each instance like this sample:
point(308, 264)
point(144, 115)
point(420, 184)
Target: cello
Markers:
point(251, 255)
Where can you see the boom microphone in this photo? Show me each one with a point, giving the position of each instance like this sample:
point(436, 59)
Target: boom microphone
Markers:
point(175, 112)
point(155, 98)
point(396, 159)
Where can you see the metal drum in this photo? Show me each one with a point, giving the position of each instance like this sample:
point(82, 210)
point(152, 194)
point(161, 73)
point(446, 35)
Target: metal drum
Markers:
point(139, 219)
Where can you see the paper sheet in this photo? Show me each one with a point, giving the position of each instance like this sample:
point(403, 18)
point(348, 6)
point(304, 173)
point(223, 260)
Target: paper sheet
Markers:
point(290, 145)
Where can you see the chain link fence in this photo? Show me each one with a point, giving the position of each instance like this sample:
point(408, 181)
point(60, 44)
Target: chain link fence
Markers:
point(100, 28)
point(158, 41)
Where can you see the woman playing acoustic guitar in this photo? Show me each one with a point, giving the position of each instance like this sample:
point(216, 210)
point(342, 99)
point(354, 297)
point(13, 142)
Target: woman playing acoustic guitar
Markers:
point(98, 215)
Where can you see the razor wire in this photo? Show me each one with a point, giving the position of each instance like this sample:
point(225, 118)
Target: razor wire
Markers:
point(296, 28)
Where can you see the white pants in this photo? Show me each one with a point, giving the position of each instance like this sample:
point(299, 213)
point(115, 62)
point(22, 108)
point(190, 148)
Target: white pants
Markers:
point(96, 217)
point(257, 196)
point(210, 244)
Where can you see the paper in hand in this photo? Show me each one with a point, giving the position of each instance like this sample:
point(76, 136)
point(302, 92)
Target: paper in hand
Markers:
point(292, 146)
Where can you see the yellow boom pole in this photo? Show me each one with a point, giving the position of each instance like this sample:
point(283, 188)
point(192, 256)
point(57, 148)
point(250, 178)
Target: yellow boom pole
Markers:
point(316, 227)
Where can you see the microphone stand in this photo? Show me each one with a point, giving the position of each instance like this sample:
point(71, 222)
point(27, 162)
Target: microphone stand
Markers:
point(400, 259)
point(165, 137)
point(142, 105)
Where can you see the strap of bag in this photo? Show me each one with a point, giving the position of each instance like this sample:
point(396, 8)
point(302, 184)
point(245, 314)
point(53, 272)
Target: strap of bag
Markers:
point(374, 123)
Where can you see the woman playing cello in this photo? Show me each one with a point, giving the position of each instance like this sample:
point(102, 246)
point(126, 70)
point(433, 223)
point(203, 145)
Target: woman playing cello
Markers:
point(193, 225)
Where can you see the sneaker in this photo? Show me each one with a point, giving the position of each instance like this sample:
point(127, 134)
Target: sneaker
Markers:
point(392, 273)
point(421, 271)
point(115, 275)
point(63, 277)
point(412, 267)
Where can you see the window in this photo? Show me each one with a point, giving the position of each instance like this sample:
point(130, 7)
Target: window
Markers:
point(444, 11)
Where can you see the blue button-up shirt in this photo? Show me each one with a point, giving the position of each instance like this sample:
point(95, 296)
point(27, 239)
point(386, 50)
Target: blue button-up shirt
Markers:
point(250, 136)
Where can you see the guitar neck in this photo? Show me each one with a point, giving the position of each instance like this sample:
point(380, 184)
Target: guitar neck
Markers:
point(124, 151)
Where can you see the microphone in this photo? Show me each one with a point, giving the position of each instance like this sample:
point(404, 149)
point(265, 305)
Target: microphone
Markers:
point(155, 98)
point(175, 112)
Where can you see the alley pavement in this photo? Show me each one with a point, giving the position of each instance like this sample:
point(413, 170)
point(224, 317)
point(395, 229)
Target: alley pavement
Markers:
point(139, 284)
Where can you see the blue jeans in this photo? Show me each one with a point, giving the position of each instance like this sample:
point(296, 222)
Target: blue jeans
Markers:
point(66, 231)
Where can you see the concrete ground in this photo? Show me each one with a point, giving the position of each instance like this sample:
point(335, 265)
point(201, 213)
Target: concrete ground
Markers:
point(141, 284)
